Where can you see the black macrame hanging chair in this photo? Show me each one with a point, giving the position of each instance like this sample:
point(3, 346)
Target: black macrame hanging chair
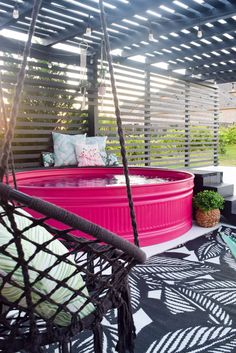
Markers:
point(52, 284)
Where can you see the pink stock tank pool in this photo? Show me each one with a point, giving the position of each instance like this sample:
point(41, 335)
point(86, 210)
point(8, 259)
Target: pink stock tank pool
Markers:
point(162, 198)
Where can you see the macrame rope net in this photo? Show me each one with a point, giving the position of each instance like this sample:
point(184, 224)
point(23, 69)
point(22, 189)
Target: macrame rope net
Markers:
point(56, 282)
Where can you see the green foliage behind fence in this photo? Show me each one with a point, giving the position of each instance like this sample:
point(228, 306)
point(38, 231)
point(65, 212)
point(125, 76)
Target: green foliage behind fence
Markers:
point(227, 136)
point(167, 141)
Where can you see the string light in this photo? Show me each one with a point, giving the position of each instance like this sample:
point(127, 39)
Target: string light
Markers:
point(16, 12)
point(199, 32)
point(233, 92)
point(88, 29)
point(151, 36)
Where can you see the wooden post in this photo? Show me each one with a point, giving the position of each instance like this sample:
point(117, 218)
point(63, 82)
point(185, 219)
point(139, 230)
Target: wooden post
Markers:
point(147, 117)
point(92, 96)
point(187, 126)
point(216, 128)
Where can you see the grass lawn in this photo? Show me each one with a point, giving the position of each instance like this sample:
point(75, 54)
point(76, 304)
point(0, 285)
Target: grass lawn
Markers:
point(229, 158)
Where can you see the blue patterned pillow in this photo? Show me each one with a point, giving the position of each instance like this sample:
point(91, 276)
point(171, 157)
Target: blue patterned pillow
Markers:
point(230, 240)
point(109, 159)
point(97, 140)
point(48, 159)
point(112, 159)
point(64, 148)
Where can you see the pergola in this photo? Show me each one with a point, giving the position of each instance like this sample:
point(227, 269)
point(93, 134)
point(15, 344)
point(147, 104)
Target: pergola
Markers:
point(171, 53)
point(168, 58)
point(197, 36)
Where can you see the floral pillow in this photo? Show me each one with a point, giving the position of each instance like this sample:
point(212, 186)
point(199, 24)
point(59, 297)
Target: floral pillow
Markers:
point(64, 148)
point(88, 155)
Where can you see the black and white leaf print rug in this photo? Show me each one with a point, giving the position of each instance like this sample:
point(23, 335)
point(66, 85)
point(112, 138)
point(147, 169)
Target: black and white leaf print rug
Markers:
point(184, 301)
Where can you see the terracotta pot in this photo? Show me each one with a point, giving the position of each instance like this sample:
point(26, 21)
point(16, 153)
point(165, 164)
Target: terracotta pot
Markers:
point(207, 218)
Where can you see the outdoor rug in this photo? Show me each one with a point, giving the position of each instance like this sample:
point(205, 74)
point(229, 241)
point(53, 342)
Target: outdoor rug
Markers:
point(184, 301)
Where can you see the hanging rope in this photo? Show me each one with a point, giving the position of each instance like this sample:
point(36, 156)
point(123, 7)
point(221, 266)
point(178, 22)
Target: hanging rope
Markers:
point(4, 115)
point(17, 95)
point(102, 76)
point(119, 122)
point(2, 104)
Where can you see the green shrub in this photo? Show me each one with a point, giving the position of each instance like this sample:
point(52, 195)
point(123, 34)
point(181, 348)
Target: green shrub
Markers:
point(174, 139)
point(200, 138)
point(164, 143)
point(231, 135)
point(208, 200)
point(227, 136)
point(222, 142)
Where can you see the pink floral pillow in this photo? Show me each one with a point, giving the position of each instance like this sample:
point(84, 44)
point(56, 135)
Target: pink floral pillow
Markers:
point(88, 155)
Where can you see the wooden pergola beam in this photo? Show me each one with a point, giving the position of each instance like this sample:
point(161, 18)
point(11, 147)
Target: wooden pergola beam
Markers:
point(198, 64)
point(215, 69)
point(221, 77)
point(94, 22)
point(39, 52)
point(204, 49)
point(222, 12)
point(124, 11)
point(193, 13)
point(186, 39)
point(24, 9)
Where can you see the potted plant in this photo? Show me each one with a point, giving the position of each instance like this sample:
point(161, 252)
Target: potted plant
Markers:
point(208, 205)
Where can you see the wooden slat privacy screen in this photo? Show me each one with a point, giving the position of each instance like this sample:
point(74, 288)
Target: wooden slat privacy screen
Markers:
point(51, 102)
point(167, 122)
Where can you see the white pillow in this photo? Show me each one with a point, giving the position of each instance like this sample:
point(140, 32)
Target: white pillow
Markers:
point(64, 148)
point(88, 155)
point(41, 261)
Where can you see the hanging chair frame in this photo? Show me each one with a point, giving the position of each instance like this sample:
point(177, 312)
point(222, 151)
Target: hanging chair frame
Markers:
point(106, 248)
point(118, 254)
point(72, 220)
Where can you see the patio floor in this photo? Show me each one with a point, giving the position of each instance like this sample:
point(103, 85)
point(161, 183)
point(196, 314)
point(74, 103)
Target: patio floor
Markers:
point(183, 301)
